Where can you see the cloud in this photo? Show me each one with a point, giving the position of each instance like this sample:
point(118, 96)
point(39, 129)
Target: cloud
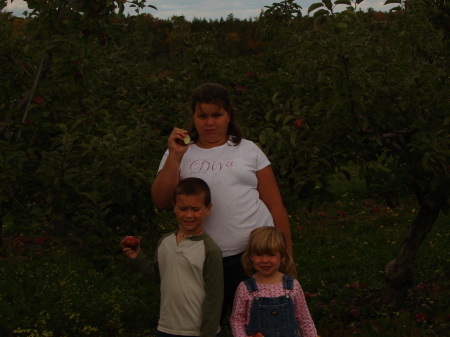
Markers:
point(208, 9)
point(16, 6)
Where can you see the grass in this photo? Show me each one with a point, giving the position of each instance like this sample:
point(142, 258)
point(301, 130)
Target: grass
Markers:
point(341, 249)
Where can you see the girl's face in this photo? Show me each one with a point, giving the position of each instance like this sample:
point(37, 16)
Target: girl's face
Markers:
point(211, 122)
point(266, 264)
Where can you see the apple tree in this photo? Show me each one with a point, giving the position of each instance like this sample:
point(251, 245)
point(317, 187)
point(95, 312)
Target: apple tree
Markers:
point(373, 92)
point(75, 152)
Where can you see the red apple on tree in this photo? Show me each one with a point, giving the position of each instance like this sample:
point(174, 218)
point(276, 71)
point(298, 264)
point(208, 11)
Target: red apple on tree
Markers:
point(131, 242)
point(298, 124)
point(354, 312)
point(258, 334)
point(38, 100)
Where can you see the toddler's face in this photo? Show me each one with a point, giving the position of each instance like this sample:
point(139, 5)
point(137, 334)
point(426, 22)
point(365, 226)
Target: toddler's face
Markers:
point(266, 264)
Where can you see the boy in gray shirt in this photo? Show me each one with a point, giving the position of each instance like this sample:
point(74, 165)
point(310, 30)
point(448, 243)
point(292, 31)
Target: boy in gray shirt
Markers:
point(189, 265)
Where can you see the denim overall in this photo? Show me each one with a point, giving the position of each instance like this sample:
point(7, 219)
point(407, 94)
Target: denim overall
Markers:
point(273, 316)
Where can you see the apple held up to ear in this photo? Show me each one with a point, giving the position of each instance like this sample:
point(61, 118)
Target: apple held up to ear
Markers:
point(131, 242)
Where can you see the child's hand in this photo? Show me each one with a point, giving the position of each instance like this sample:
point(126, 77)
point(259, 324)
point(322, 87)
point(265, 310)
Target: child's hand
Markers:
point(131, 253)
point(178, 141)
point(131, 246)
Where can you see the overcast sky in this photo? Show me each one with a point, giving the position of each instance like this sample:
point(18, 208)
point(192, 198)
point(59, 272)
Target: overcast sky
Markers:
point(211, 9)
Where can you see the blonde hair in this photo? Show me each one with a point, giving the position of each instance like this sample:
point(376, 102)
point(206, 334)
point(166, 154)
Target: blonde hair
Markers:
point(266, 240)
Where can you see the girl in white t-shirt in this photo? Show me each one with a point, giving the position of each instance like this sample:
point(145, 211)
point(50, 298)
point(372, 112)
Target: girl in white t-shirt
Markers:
point(244, 191)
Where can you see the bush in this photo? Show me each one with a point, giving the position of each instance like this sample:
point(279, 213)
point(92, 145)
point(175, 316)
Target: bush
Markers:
point(52, 291)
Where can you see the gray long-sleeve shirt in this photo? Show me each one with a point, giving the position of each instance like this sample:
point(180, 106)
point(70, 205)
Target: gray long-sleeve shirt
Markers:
point(191, 276)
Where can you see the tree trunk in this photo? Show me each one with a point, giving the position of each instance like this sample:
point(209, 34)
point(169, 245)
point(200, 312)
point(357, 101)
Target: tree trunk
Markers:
point(398, 276)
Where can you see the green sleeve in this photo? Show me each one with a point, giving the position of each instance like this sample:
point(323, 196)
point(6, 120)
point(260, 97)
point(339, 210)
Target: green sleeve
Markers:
point(213, 277)
point(147, 266)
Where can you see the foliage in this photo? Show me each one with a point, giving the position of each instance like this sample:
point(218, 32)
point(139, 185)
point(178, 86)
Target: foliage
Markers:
point(367, 101)
point(380, 97)
point(48, 289)
point(77, 159)
point(283, 12)
point(353, 236)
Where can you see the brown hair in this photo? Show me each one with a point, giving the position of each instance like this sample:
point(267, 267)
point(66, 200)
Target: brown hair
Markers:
point(216, 94)
point(193, 186)
point(265, 240)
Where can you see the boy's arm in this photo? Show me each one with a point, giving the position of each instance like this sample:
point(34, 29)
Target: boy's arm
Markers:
point(213, 276)
point(149, 267)
point(145, 265)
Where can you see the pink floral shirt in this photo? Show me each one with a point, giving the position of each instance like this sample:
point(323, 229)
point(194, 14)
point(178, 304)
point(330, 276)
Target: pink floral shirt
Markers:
point(243, 302)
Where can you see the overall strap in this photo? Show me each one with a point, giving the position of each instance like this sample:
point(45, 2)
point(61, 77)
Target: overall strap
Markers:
point(251, 285)
point(288, 282)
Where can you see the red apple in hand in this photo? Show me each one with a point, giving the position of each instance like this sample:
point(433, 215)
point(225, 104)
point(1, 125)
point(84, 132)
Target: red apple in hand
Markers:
point(131, 242)
point(258, 334)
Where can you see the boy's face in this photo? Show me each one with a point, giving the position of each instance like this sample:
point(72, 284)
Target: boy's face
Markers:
point(190, 211)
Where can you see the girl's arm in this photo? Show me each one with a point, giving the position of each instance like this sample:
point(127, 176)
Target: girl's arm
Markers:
point(165, 182)
point(169, 176)
point(305, 322)
point(238, 318)
point(269, 193)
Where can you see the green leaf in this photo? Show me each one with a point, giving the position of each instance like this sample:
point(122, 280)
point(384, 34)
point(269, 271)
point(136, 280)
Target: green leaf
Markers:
point(296, 104)
point(350, 13)
point(62, 127)
point(293, 138)
point(262, 138)
point(342, 25)
point(314, 6)
point(347, 175)
point(343, 2)
point(274, 98)
point(320, 13)
point(288, 119)
point(328, 4)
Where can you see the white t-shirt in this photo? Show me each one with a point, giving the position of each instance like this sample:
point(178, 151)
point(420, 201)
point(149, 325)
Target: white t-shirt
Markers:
point(230, 172)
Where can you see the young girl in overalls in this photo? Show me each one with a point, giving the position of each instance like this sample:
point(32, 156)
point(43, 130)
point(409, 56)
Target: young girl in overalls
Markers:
point(271, 301)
